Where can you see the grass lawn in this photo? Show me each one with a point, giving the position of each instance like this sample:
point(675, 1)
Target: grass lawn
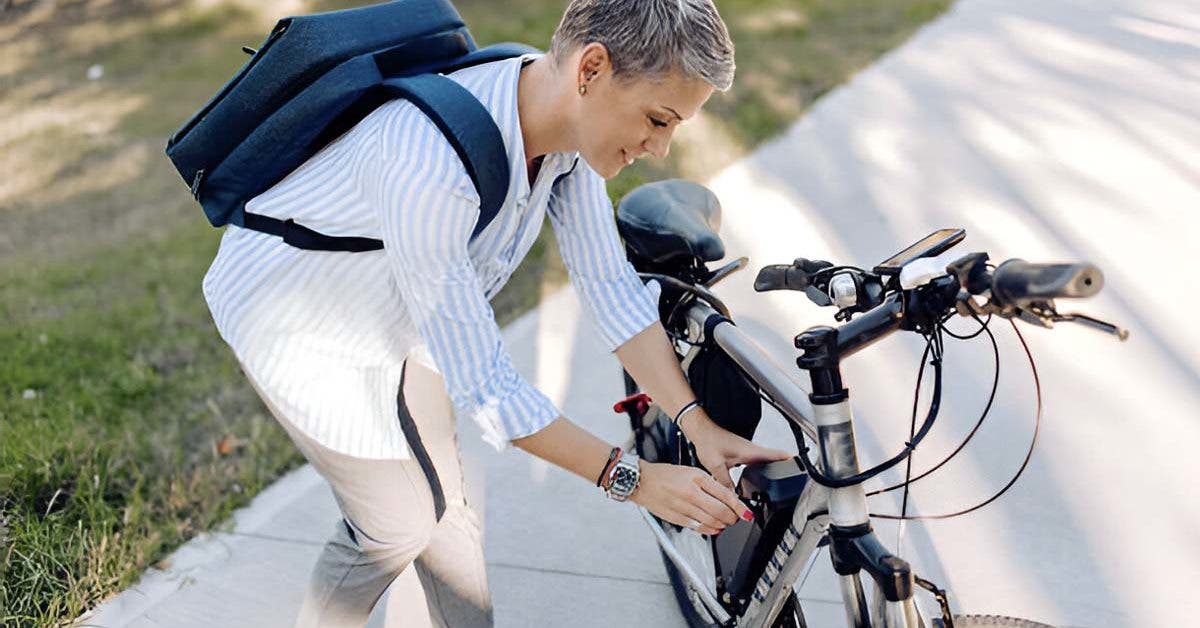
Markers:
point(125, 425)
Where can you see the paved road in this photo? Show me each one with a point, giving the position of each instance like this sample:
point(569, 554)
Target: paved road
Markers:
point(1050, 130)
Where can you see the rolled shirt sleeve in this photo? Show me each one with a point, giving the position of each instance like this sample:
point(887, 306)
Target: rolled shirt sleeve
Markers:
point(428, 209)
point(582, 216)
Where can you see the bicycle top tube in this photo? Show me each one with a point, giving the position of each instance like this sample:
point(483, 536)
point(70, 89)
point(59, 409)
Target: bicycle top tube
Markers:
point(787, 390)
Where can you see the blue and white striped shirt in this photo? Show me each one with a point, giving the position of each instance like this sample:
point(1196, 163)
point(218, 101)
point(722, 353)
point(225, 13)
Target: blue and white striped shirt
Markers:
point(324, 334)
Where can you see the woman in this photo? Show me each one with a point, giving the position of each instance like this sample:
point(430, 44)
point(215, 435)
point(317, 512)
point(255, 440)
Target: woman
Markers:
point(365, 358)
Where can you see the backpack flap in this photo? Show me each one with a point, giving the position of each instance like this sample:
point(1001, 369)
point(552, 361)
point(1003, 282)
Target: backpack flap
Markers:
point(282, 142)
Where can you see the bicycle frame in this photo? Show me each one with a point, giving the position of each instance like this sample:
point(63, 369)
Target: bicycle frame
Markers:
point(825, 417)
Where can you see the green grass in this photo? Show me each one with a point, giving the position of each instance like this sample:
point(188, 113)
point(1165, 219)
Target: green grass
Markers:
point(125, 424)
point(114, 395)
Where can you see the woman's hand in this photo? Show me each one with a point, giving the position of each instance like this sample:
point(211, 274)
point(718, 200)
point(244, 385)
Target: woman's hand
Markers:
point(719, 449)
point(683, 495)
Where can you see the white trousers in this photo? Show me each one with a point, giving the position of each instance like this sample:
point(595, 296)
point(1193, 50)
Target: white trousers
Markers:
point(397, 512)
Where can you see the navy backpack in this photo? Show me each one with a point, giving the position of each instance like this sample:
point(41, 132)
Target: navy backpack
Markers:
point(314, 78)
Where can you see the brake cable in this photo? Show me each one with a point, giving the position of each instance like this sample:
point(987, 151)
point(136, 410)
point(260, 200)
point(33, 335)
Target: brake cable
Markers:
point(987, 408)
point(1037, 382)
point(982, 326)
point(695, 289)
point(824, 480)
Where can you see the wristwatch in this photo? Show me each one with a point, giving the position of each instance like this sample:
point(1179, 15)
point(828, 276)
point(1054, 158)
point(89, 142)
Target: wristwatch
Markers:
point(623, 478)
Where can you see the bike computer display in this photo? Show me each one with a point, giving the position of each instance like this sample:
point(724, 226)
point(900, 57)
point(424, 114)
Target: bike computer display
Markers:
point(933, 244)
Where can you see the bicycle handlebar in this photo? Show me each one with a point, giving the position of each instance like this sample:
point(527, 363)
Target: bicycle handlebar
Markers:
point(1016, 287)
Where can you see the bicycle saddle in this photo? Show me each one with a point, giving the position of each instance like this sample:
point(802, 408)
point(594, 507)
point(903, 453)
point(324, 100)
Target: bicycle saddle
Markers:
point(670, 221)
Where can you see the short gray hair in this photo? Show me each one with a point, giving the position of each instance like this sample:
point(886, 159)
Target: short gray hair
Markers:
point(651, 38)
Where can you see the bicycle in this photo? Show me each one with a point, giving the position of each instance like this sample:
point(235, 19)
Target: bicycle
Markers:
point(745, 576)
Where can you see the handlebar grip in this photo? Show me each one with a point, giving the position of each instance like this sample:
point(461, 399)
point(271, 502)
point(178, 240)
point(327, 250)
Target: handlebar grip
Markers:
point(780, 277)
point(794, 276)
point(1018, 282)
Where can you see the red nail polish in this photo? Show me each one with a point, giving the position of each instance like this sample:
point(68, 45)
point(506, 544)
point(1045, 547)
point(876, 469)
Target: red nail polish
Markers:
point(748, 516)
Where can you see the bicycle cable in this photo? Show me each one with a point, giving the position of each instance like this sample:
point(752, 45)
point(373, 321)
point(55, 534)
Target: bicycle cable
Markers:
point(933, 345)
point(811, 564)
point(979, 423)
point(908, 463)
point(1037, 383)
point(983, 324)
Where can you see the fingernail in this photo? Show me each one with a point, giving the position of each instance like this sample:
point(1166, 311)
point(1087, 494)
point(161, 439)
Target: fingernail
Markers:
point(748, 516)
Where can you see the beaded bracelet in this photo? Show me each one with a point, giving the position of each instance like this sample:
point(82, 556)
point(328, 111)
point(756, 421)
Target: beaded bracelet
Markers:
point(612, 455)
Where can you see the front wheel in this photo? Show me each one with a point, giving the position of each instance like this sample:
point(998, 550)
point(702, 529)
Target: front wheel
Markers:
point(990, 621)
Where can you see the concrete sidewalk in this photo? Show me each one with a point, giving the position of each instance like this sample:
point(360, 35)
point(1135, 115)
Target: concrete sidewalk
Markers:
point(1051, 130)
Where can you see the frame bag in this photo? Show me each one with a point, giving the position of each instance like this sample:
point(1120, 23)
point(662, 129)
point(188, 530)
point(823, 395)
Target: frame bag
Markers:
point(728, 398)
point(314, 78)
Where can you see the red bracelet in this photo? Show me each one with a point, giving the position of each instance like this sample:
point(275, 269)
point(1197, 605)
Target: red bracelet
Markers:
point(612, 456)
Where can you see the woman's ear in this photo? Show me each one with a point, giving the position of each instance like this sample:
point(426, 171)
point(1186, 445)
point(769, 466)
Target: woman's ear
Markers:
point(593, 62)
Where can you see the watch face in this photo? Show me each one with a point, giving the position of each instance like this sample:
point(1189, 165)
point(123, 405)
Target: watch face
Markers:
point(624, 477)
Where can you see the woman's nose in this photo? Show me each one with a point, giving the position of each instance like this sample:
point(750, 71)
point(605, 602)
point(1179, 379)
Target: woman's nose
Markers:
point(658, 144)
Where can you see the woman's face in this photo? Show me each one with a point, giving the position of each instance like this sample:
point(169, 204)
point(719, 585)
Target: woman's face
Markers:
point(624, 119)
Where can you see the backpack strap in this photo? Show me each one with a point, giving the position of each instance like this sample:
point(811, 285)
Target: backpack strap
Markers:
point(302, 237)
point(472, 134)
point(470, 130)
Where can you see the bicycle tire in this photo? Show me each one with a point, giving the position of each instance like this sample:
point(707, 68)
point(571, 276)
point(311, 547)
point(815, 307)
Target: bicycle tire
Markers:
point(695, 613)
point(990, 621)
point(690, 543)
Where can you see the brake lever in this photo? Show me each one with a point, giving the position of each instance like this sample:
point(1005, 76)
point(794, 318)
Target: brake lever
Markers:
point(1094, 323)
point(1041, 314)
point(1044, 314)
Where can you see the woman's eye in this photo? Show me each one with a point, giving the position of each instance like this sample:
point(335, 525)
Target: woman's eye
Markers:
point(656, 121)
